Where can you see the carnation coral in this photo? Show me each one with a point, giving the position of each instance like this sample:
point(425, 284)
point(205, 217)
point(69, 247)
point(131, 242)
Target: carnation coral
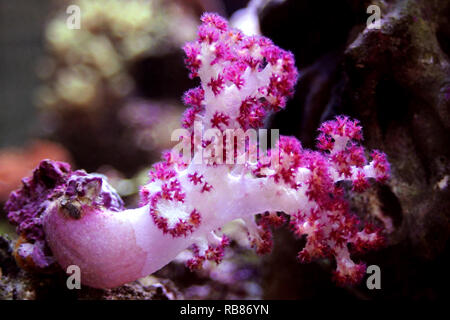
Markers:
point(77, 219)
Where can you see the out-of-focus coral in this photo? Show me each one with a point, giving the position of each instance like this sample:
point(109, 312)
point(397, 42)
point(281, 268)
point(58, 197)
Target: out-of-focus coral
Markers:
point(15, 163)
point(93, 76)
point(151, 123)
point(247, 18)
point(86, 66)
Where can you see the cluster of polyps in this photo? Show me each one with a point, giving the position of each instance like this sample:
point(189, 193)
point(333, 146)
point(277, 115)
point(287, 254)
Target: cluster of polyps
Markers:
point(242, 77)
point(185, 204)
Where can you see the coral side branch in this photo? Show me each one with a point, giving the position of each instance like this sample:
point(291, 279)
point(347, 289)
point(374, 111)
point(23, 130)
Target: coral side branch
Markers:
point(76, 218)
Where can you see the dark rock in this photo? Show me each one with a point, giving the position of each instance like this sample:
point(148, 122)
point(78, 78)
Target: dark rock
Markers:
point(396, 81)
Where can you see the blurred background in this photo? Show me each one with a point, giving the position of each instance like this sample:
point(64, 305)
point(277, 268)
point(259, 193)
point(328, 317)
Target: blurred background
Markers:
point(106, 97)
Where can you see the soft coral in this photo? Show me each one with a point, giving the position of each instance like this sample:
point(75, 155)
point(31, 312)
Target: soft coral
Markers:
point(186, 203)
